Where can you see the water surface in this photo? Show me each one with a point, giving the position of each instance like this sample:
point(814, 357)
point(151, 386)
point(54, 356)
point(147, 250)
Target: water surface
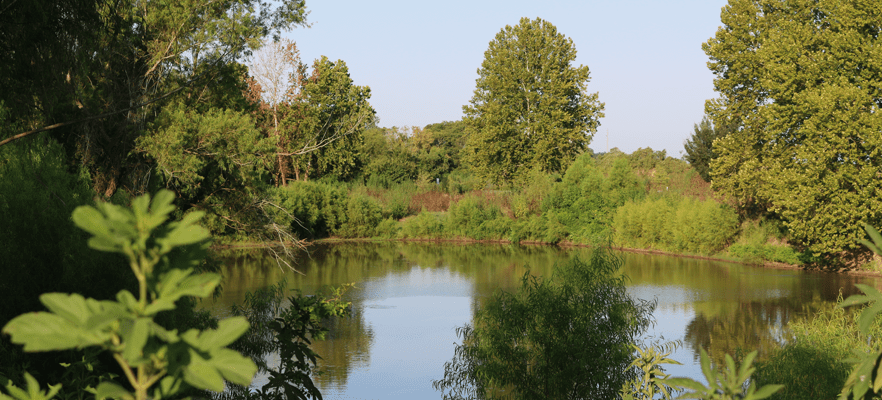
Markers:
point(410, 297)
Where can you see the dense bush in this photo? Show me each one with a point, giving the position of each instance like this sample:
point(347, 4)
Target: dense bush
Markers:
point(363, 214)
point(311, 209)
point(476, 218)
point(568, 336)
point(681, 225)
point(424, 225)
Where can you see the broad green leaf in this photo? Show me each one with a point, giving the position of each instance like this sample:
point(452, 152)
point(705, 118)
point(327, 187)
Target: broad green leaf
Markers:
point(167, 385)
point(135, 339)
point(90, 220)
point(868, 316)
point(876, 246)
point(71, 307)
point(201, 374)
point(127, 299)
point(161, 304)
point(233, 366)
point(110, 390)
point(228, 330)
point(177, 283)
point(162, 203)
point(43, 331)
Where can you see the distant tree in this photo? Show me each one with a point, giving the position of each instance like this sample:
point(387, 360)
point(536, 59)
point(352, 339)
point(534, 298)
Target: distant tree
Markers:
point(802, 81)
point(700, 147)
point(531, 108)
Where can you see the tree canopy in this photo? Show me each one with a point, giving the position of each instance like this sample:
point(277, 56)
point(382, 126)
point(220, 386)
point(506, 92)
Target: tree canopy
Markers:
point(801, 82)
point(530, 108)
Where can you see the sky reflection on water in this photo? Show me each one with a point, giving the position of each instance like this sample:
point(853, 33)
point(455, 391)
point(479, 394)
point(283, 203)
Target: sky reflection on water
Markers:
point(409, 299)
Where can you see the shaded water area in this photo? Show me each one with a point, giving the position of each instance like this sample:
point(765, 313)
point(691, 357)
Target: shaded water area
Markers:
point(410, 297)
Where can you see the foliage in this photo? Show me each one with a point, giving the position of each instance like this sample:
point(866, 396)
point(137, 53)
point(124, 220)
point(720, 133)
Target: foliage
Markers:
point(213, 160)
point(727, 383)
point(800, 82)
point(700, 147)
point(652, 378)
point(162, 257)
point(530, 108)
point(363, 214)
point(102, 66)
point(288, 330)
point(43, 250)
point(476, 218)
point(528, 200)
point(424, 225)
point(323, 122)
point(813, 362)
point(682, 225)
point(565, 337)
point(865, 380)
point(311, 209)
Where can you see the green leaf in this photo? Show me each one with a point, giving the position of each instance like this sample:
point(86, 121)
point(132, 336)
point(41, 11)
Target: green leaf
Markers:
point(686, 383)
point(110, 390)
point(43, 331)
point(228, 330)
point(71, 307)
point(868, 316)
point(90, 220)
point(135, 339)
point(33, 390)
point(234, 367)
point(200, 374)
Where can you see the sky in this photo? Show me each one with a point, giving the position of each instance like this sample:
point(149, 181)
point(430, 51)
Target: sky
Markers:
point(420, 58)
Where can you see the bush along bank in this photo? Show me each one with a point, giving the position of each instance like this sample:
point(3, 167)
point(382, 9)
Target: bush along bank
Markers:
point(612, 199)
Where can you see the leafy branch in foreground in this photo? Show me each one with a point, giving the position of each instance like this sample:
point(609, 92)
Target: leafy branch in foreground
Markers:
point(725, 384)
point(162, 257)
point(865, 380)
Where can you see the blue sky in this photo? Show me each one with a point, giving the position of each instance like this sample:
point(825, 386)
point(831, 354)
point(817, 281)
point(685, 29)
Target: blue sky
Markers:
point(420, 58)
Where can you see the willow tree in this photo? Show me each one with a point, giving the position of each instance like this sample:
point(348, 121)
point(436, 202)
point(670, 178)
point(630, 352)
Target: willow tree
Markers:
point(802, 83)
point(530, 108)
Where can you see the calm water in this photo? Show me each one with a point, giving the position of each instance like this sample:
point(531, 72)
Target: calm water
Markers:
point(409, 298)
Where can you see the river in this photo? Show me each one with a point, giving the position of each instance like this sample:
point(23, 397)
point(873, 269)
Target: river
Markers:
point(409, 298)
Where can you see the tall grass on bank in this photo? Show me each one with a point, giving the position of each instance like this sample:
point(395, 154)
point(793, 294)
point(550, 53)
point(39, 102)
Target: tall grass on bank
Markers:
point(813, 364)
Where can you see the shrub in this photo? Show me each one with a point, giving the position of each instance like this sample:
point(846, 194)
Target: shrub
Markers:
point(471, 217)
point(363, 214)
point(424, 225)
point(701, 226)
point(567, 336)
point(311, 209)
point(388, 229)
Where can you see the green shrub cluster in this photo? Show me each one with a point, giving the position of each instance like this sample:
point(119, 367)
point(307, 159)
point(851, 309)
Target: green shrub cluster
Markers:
point(766, 252)
point(311, 209)
point(476, 218)
point(680, 225)
point(363, 214)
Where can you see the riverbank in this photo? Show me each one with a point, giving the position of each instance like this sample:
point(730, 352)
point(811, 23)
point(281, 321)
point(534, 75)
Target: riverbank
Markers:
point(563, 244)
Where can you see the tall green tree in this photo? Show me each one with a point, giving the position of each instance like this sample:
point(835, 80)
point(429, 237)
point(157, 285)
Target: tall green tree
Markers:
point(802, 83)
point(530, 108)
point(700, 147)
point(323, 124)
